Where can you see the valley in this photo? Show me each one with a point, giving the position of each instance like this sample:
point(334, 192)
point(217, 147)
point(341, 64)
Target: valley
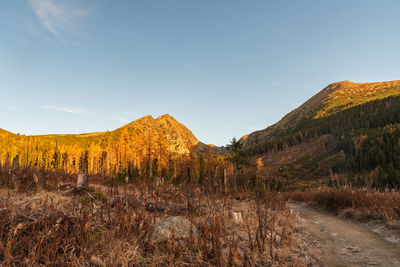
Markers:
point(199, 133)
point(240, 204)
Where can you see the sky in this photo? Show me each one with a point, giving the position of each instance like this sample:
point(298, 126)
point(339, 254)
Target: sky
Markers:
point(222, 68)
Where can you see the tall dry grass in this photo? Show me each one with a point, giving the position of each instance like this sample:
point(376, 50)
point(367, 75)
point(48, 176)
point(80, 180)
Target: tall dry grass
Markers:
point(112, 226)
point(359, 204)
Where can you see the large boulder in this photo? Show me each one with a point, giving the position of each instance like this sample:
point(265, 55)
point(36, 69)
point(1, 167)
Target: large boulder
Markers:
point(178, 227)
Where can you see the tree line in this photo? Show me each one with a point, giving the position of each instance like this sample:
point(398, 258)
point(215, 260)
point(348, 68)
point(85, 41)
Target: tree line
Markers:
point(125, 153)
point(368, 134)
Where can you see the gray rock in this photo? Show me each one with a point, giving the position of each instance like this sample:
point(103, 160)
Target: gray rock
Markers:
point(178, 227)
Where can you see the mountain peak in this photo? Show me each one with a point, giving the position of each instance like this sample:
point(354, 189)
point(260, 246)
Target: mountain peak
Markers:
point(332, 99)
point(346, 94)
point(166, 117)
point(143, 120)
point(150, 119)
point(178, 137)
point(344, 82)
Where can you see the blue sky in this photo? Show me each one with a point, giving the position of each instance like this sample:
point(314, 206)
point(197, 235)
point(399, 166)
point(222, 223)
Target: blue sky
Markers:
point(222, 68)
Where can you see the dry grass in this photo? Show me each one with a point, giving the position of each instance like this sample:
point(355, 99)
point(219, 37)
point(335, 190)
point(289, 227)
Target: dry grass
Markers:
point(358, 204)
point(112, 226)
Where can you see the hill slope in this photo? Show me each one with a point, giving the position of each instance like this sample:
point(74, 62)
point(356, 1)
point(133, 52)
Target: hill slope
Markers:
point(334, 98)
point(347, 130)
point(144, 145)
point(166, 129)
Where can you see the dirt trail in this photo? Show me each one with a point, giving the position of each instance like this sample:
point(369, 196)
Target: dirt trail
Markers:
point(346, 243)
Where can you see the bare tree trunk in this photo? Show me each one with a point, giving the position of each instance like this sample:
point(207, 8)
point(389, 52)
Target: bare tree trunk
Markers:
point(39, 180)
point(82, 180)
point(225, 180)
point(13, 172)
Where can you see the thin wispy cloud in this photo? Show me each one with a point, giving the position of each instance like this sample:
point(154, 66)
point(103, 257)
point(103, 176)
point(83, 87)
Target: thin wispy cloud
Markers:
point(19, 21)
point(85, 112)
point(73, 110)
point(57, 16)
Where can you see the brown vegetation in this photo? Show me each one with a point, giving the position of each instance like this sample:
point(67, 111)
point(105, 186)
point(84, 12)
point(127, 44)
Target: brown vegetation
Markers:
point(358, 204)
point(307, 161)
point(112, 225)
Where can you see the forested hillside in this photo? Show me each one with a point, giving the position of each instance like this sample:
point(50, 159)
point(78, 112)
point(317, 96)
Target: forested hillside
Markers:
point(361, 134)
point(146, 147)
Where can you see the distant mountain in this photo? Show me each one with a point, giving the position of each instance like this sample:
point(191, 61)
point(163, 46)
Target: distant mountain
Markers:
point(142, 132)
point(334, 98)
point(348, 130)
point(146, 145)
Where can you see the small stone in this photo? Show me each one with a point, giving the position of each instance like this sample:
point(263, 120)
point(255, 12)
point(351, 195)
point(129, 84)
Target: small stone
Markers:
point(353, 249)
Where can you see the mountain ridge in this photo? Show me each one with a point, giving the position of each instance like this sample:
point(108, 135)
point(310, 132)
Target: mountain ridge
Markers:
point(348, 133)
point(165, 120)
point(144, 119)
point(329, 100)
point(144, 143)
